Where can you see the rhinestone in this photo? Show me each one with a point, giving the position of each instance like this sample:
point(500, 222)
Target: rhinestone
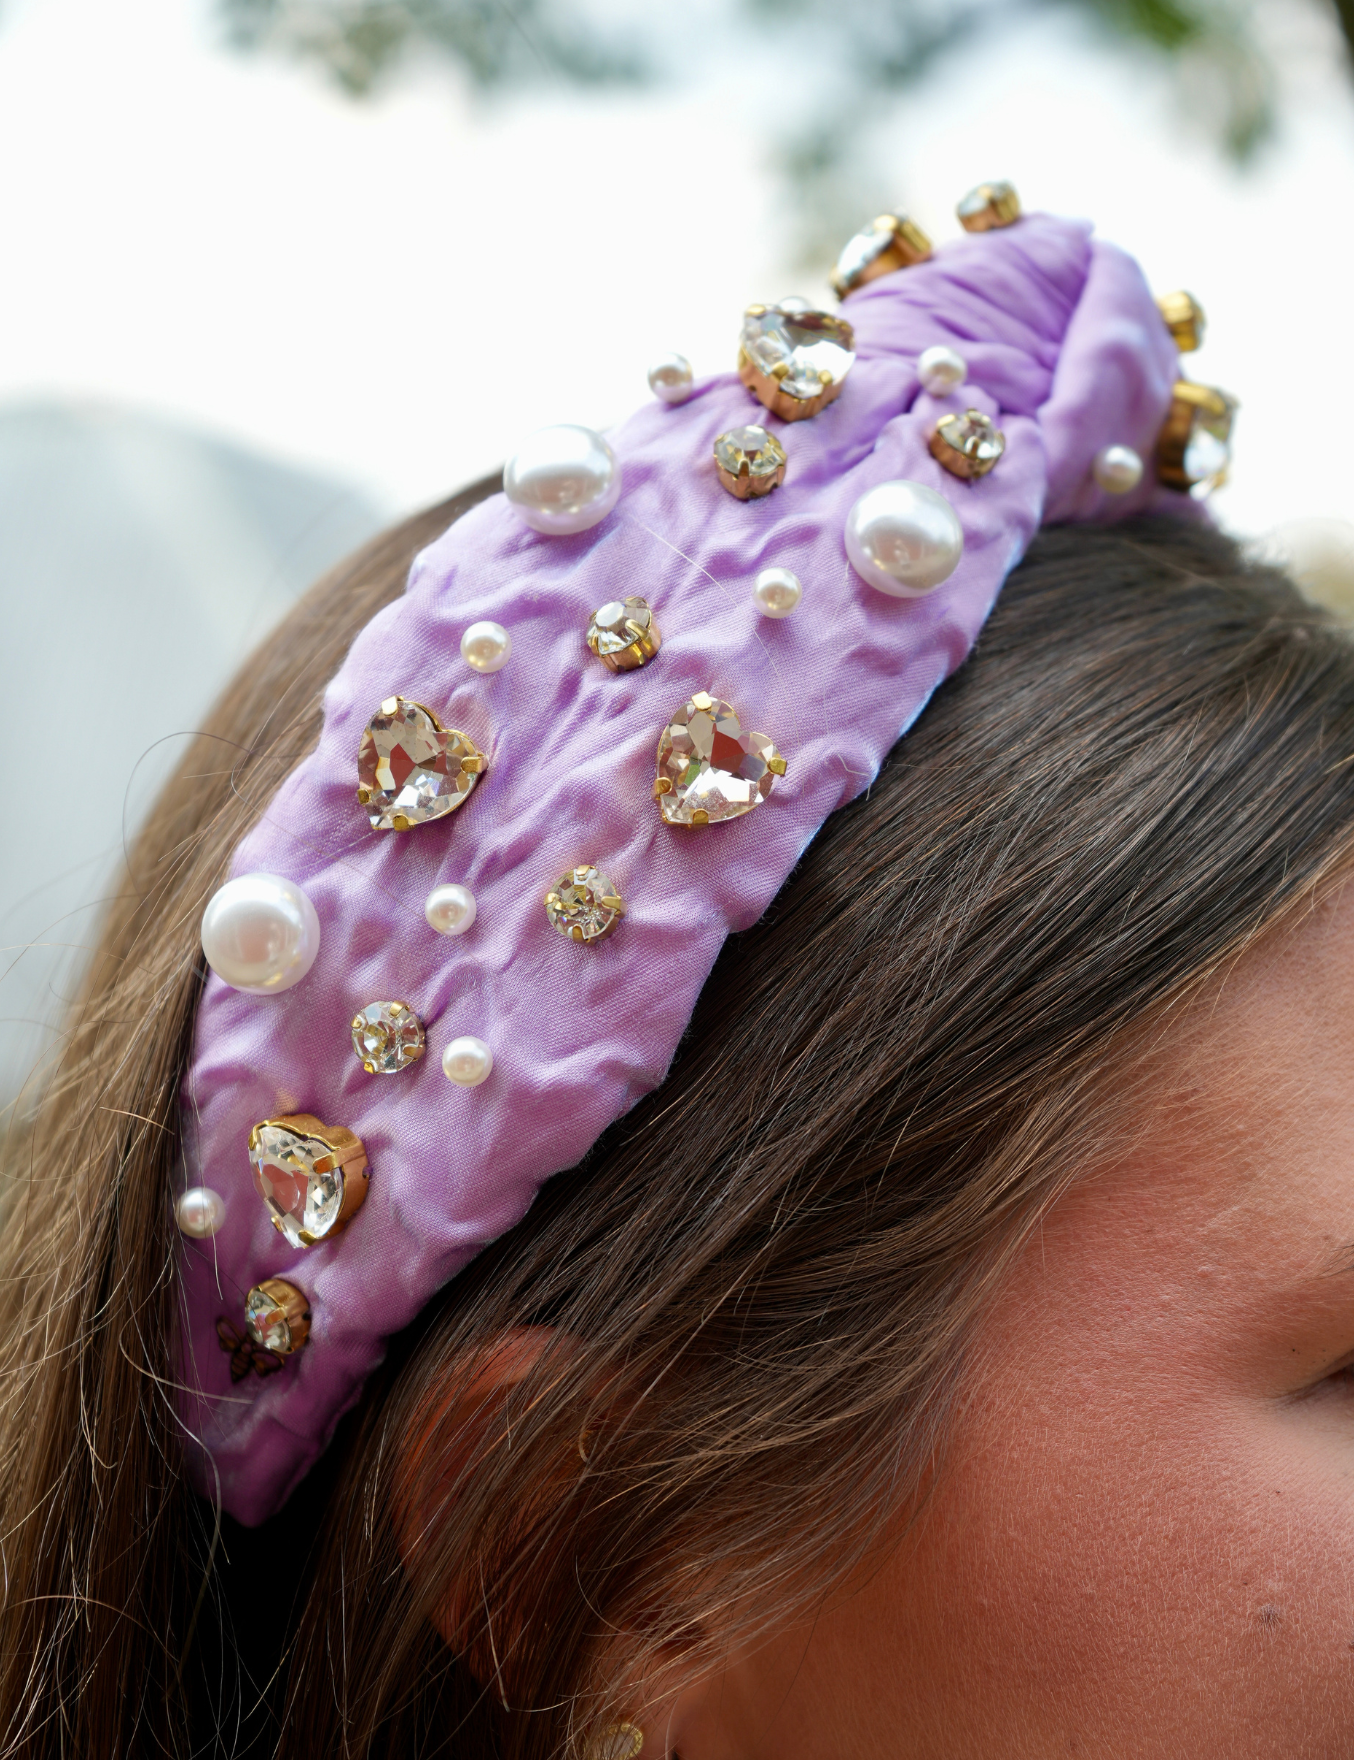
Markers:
point(622, 633)
point(411, 769)
point(1194, 449)
point(1184, 319)
point(750, 462)
point(989, 206)
point(967, 445)
point(888, 243)
point(708, 768)
point(794, 361)
point(311, 1185)
point(278, 1316)
point(584, 905)
point(387, 1036)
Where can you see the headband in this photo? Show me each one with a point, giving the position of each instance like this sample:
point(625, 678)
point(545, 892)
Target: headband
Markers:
point(594, 736)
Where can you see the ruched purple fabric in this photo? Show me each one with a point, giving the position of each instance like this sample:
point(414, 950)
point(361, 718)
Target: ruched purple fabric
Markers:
point(1065, 349)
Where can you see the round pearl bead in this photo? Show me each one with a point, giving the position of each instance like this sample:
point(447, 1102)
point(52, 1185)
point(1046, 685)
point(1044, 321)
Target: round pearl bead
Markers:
point(467, 1062)
point(486, 647)
point(260, 933)
point(563, 479)
point(941, 370)
point(903, 538)
point(671, 378)
point(450, 909)
point(199, 1212)
point(1117, 469)
point(777, 592)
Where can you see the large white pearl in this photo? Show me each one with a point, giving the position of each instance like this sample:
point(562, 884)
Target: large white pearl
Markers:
point(450, 909)
point(260, 933)
point(563, 479)
point(1117, 469)
point(904, 538)
point(671, 378)
point(199, 1212)
point(486, 646)
point(467, 1062)
point(777, 592)
point(941, 370)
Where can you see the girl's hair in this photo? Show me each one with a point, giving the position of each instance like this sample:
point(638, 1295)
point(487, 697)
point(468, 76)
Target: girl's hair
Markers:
point(761, 1283)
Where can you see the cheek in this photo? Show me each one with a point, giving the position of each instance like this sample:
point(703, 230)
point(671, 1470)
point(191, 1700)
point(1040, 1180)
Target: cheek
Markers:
point(1126, 1554)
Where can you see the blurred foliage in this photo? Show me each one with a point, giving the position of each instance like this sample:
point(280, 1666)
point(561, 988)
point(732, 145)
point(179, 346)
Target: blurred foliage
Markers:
point(359, 41)
point(864, 53)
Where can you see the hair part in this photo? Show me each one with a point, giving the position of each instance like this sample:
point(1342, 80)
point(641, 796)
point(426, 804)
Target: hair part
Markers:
point(761, 1283)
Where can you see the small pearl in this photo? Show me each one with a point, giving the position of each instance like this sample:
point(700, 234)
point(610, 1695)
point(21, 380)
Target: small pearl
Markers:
point(450, 909)
point(777, 592)
point(199, 1212)
point(671, 378)
point(941, 370)
point(904, 538)
point(260, 933)
point(1117, 469)
point(486, 647)
point(563, 479)
point(467, 1062)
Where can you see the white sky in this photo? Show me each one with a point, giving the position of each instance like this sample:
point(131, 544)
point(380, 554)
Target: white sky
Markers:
point(395, 291)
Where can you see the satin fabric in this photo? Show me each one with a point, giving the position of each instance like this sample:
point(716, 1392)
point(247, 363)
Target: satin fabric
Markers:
point(1065, 349)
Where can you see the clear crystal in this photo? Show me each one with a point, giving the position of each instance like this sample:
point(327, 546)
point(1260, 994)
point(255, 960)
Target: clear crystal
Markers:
point(707, 765)
point(387, 1036)
point(974, 435)
point(989, 205)
point(300, 1180)
point(753, 447)
point(1206, 458)
point(803, 351)
point(411, 770)
point(859, 252)
point(609, 628)
point(584, 904)
point(266, 1319)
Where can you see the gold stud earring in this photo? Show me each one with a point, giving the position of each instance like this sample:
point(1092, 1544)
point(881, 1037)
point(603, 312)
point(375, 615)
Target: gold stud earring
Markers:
point(619, 1741)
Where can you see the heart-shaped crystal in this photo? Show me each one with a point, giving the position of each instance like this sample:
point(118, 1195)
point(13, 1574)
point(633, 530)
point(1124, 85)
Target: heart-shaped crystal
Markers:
point(794, 360)
point(708, 768)
point(411, 769)
point(311, 1185)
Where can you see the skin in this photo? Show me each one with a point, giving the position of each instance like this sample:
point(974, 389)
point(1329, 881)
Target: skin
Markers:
point(1143, 1541)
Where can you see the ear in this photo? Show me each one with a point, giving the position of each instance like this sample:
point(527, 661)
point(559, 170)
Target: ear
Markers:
point(448, 1433)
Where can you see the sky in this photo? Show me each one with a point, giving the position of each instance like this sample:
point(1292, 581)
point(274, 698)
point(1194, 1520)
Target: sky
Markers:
point(394, 292)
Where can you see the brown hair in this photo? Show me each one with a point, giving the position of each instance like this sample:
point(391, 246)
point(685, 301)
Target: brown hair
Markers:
point(761, 1282)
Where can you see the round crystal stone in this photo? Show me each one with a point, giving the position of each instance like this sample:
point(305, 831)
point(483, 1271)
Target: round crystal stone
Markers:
point(751, 451)
point(299, 1179)
point(803, 351)
point(974, 437)
point(410, 769)
point(584, 905)
point(708, 768)
point(387, 1036)
point(266, 1319)
point(623, 633)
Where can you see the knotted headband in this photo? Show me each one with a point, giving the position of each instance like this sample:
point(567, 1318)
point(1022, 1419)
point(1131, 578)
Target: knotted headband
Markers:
point(1062, 347)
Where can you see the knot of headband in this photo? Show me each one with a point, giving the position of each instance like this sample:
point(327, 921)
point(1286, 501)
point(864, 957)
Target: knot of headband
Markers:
point(595, 735)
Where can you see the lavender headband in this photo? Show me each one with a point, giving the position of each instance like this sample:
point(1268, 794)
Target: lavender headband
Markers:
point(370, 1100)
